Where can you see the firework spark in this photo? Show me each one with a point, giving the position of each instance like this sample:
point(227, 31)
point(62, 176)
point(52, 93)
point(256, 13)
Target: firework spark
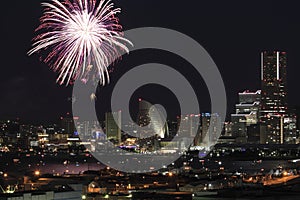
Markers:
point(78, 36)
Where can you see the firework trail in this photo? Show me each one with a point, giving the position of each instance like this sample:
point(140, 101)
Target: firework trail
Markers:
point(79, 36)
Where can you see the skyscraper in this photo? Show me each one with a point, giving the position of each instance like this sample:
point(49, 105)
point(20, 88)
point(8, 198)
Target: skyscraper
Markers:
point(247, 114)
point(67, 124)
point(189, 125)
point(274, 94)
point(143, 114)
point(113, 126)
point(274, 82)
point(211, 128)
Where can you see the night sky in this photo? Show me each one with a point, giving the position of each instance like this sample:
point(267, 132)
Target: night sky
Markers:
point(233, 32)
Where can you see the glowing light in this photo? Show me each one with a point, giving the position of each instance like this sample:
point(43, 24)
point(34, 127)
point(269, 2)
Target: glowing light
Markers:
point(262, 66)
point(37, 173)
point(81, 35)
point(278, 76)
point(93, 97)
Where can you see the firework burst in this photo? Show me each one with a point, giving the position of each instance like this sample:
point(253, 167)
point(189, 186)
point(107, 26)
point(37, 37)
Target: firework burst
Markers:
point(80, 36)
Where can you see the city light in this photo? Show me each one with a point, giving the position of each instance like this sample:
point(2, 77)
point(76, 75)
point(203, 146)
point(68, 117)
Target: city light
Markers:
point(37, 173)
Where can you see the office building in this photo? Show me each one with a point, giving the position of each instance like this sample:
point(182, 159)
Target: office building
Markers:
point(247, 114)
point(211, 128)
point(274, 95)
point(113, 127)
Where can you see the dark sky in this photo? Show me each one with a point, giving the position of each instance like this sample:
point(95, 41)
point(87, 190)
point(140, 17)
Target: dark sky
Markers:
point(233, 33)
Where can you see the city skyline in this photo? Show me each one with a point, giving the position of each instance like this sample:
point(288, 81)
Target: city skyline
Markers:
point(212, 89)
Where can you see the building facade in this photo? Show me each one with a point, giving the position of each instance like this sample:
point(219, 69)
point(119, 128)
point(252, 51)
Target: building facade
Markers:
point(246, 115)
point(113, 126)
point(274, 106)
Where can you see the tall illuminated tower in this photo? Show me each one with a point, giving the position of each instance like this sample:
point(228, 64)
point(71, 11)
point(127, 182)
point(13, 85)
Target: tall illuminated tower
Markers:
point(274, 82)
point(274, 94)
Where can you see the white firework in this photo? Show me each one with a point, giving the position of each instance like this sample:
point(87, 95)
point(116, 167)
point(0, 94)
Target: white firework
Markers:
point(79, 35)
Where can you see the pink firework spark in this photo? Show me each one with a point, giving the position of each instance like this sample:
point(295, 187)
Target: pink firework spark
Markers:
point(80, 35)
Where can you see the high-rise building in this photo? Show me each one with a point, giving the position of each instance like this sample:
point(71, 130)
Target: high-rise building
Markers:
point(290, 129)
point(253, 134)
point(113, 126)
point(205, 121)
point(274, 95)
point(227, 129)
point(67, 124)
point(274, 82)
point(143, 113)
point(247, 114)
point(211, 128)
point(190, 126)
point(248, 97)
point(239, 129)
